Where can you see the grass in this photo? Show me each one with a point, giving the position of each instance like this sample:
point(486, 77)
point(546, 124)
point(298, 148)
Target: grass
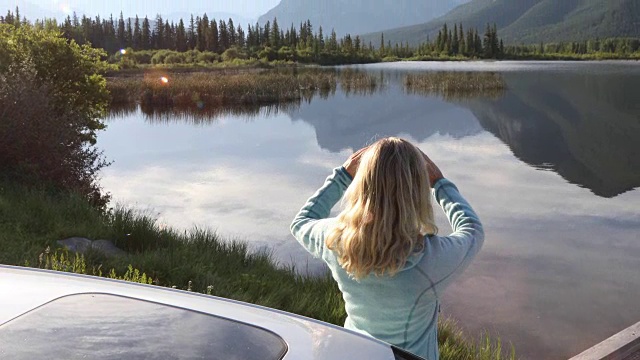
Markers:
point(456, 85)
point(361, 83)
point(32, 220)
point(213, 89)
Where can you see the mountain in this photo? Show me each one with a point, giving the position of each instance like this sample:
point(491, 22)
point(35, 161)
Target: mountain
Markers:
point(532, 21)
point(358, 16)
point(32, 11)
point(186, 17)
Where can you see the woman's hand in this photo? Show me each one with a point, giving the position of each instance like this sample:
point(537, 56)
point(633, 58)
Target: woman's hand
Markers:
point(433, 170)
point(352, 163)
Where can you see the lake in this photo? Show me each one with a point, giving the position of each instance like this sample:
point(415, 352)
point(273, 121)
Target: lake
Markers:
point(551, 165)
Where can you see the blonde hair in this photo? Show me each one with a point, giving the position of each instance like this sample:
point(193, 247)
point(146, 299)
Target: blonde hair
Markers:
point(387, 211)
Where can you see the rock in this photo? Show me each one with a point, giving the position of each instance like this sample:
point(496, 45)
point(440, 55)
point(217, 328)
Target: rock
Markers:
point(76, 244)
point(82, 245)
point(107, 248)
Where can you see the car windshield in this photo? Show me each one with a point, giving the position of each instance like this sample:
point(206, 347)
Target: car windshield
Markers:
point(97, 326)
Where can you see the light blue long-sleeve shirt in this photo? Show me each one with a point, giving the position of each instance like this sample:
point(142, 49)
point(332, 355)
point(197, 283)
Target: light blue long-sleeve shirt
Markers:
point(401, 309)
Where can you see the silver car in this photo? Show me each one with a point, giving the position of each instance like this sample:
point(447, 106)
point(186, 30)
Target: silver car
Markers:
point(52, 315)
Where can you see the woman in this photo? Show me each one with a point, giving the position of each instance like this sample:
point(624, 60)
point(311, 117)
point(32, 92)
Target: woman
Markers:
point(382, 249)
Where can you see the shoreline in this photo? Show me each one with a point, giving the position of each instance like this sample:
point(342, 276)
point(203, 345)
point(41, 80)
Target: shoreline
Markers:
point(236, 69)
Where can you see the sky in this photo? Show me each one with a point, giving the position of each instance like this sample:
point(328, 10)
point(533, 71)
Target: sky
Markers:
point(251, 9)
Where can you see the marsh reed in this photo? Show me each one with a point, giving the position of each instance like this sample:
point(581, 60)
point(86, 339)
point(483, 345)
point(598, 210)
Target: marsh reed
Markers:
point(456, 85)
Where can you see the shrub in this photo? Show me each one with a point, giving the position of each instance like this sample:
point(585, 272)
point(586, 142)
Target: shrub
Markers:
point(268, 54)
point(159, 57)
point(141, 57)
point(208, 57)
point(232, 54)
point(174, 58)
point(51, 105)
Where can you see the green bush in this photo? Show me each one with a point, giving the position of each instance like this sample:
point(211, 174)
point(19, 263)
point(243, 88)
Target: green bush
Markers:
point(142, 57)
point(174, 58)
point(233, 53)
point(208, 57)
point(51, 104)
point(159, 57)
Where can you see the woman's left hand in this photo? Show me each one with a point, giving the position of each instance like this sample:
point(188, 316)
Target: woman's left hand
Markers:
point(351, 165)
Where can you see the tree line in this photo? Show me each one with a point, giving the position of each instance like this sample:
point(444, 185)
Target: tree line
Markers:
point(211, 35)
point(205, 40)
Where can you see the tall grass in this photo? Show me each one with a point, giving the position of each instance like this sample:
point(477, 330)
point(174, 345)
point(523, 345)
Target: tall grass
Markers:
point(215, 89)
point(361, 83)
point(456, 85)
point(199, 260)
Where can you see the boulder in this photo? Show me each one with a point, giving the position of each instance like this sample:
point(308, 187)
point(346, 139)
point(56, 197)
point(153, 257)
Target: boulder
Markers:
point(82, 245)
point(106, 247)
point(76, 244)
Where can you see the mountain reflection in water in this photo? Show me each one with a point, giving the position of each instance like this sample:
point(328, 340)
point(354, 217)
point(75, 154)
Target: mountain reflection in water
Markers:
point(586, 130)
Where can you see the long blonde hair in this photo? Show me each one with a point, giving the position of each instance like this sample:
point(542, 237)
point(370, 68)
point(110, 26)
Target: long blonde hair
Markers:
point(387, 211)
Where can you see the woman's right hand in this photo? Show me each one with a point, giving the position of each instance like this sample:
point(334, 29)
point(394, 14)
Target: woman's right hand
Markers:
point(433, 170)
point(351, 165)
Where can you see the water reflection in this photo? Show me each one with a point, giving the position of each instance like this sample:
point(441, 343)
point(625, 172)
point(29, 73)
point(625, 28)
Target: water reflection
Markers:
point(199, 115)
point(586, 130)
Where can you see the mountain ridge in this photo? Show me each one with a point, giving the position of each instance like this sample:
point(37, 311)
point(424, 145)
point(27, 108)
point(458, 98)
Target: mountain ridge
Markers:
point(532, 21)
point(357, 16)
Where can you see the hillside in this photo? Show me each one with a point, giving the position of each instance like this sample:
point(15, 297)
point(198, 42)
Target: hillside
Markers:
point(32, 10)
point(531, 21)
point(358, 16)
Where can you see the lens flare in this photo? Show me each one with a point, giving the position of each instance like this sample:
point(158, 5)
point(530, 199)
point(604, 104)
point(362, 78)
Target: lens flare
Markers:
point(164, 80)
point(123, 51)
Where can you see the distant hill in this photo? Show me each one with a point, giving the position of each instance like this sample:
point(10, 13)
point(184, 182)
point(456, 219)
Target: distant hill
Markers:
point(358, 16)
point(32, 11)
point(185, 16)
point(531, 21)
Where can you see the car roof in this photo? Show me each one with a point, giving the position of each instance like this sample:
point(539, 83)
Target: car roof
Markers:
point(24, 289)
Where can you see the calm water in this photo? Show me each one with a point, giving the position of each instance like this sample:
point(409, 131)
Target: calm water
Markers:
point(552, 167)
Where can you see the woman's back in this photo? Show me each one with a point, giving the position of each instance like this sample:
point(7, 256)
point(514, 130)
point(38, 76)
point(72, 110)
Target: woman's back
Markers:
point(399, 306)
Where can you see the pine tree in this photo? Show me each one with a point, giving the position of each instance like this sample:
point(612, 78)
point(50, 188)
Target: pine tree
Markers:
point(16, 20)
point(159, 33)
point(128, 36)
point(455, 42)
point(275, 34)
point(191, 34)
point(146, 34)
point(495, 42)
point(233, 36)
point(169, 36)
point(333, 41)
point(212, 37)
point(137, 34)
point(223, 36)
point(266, 35)
point(240, 37)
point(121, 33)
point(487, 44)
point(463, 43)
point(181, 37)
point(201, 32)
